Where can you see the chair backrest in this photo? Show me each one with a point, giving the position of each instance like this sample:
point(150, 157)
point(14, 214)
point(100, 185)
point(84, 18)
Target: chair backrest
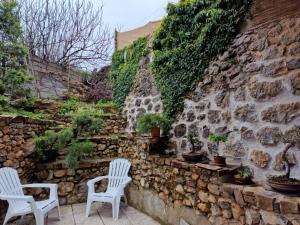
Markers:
point(118, 172)
point(10, 185)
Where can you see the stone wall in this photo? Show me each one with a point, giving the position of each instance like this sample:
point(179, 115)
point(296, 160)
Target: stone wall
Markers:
point(16, 146)
point(52, 80)
point(250, 94)
point(169, 189)
point(17, 151)
point(144, 96)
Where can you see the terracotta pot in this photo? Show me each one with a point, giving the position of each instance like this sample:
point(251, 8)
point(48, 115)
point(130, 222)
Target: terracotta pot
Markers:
point(284, 187)
point(155, 132)
point(242, 180)
point(193, 157)
point(220, 160)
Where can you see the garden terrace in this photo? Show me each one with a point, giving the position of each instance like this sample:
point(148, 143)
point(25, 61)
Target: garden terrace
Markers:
point(217, 82)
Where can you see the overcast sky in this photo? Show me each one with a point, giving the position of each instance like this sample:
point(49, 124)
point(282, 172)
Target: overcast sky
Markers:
point(129, 14)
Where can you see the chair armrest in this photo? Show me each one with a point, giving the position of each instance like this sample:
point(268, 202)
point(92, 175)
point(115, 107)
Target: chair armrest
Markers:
point(123, 185)
point(26, 198)
point(52, 187)
point(91, 183)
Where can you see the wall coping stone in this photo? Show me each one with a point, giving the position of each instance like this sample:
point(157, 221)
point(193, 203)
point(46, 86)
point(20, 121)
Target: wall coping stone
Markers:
point(87, 163)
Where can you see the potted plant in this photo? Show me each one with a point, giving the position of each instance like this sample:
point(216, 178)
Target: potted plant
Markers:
point(243, 176)
point(285, 182)
point(193, 155)
point(218, 160)
point(152, 123)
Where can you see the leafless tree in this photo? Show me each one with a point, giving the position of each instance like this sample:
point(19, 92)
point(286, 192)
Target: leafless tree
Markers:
point(67, 32)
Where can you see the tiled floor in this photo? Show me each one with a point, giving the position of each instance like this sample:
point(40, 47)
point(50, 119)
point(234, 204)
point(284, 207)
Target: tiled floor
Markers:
point(101, 215)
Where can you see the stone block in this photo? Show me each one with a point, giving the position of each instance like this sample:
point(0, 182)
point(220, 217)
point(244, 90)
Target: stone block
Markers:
point(214, 189)
point(266, 200)
point(265, 90)
point(281, 113)
point(295, 83)
point(252, 217)
point(293, 64)
point(260, 158)
point(246, 113)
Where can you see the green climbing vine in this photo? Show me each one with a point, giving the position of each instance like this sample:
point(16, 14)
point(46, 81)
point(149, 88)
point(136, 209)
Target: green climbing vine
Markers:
point(190, 36)
point(123, 70)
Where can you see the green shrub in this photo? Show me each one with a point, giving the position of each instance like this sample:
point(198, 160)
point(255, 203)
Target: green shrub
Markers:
point(78, 151)
point(123, 70)
point(71, 105)
point(46, 143)
point(87, 121)
point(148, 121)
point(217, 138)
point(190, 36)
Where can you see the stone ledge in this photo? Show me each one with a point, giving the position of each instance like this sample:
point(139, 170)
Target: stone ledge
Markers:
point(88, 163)
point(24, 119)
point(264, 199)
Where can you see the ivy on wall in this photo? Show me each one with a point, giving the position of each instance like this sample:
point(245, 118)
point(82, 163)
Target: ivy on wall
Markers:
point(190, 36)
point(124, 67)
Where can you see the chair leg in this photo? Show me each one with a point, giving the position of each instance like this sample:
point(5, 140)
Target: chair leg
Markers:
point(39, 219)
point(88, 207)
point(116, 208)
point(58, 212)
point(7, 218)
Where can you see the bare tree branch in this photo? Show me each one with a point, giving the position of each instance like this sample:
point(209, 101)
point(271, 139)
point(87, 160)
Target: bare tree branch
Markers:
point(67, 32)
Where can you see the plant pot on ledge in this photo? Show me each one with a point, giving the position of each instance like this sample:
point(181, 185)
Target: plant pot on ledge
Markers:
point(284, 184)
point(219, 160)
point(243, 176)
point(155, 132)
point(193, 156)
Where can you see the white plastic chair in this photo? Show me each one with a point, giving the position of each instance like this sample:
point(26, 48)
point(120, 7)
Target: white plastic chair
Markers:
point(11, 190)
point(117, 180)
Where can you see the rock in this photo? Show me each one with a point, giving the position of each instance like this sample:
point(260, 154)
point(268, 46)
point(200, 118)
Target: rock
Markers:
point(295, 83)
point(203, 196)
point(281, 113)
point(227, 214)
point(180, 130)
point(214, 189)
point(213, 116)
point(294, 48)
point(246, 113)
point(179, 189)
point(138, 102)
point(237, 211)
point(252, 217)
point(258, 44)
point(190, 115)
point(274, 68)
point(205, 131)
point(222, 99)
point(269, 136)
point(235, 149)
point(265, 90)
point(279, 165)
point(157, 108)
point(193, 129)
point(239, 94)
point(226, 116)
point(224, 203)
point(64, 188)
point(203, 207)
point(247, 134)
point(273, 52)
point(260, 158)
point(293, 64)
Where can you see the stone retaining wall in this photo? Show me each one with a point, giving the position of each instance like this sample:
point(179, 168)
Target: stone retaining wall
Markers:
point(144, 96)
point(169, 189)
point(251, 95)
